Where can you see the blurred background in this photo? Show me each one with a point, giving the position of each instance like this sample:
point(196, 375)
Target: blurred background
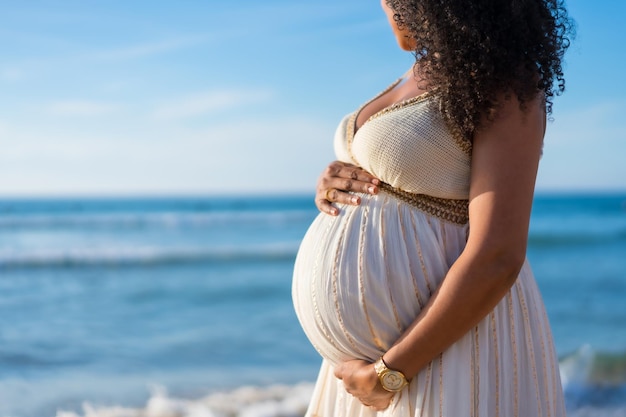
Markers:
point(157, 168)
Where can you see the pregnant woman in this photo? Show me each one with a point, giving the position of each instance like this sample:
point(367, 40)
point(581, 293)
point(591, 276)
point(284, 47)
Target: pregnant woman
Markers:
point(413, 283)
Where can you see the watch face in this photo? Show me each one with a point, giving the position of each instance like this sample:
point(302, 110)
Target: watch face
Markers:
point(393, 381)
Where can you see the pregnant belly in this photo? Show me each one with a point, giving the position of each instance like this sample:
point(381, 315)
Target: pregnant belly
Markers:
point(361, 278)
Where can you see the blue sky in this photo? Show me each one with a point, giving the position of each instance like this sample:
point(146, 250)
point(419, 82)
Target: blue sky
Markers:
point(197, 97)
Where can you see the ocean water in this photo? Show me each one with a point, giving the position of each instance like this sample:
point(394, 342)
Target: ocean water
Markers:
point(182, 306)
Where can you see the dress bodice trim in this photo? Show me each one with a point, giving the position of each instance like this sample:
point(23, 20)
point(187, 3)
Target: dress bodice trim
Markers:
point(452, 211)
point(449, 210)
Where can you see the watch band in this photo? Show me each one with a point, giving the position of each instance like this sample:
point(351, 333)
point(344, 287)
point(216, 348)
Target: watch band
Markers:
point(391, 380)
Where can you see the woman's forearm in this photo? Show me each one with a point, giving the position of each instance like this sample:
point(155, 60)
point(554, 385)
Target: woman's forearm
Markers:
point(471, 289)
point(505, 158)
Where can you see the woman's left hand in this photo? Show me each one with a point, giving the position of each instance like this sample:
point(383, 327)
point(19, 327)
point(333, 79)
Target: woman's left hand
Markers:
point(360, 380)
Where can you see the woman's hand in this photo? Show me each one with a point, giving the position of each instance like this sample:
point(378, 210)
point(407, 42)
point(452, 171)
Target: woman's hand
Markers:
point(360, 380)
point(336, 182)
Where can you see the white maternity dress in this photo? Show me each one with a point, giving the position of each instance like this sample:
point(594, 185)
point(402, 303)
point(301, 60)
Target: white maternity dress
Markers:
point(362, 277)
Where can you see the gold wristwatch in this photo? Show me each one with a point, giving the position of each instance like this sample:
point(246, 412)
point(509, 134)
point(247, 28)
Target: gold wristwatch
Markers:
point(392, 381)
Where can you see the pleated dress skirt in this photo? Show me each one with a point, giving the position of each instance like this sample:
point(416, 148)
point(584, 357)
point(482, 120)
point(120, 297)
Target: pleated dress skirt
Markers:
point(361, 278)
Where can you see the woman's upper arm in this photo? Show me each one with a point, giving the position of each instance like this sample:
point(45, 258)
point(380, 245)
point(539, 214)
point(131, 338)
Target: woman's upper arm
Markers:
point(505, 159)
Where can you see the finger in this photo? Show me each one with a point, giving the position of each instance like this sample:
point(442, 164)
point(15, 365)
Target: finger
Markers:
point(348, 184)
point(357, 174)
point(334, 195)
point(330, 194)
point(346, 170)
point(338, 371)
point(334, 168)
point(382, 404)
point(324, 206)
point(344, 177)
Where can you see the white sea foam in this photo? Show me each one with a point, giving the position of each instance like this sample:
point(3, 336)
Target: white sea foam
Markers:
point(96, 256)
point(575, 369)
point(143, 219)
point(273, 401)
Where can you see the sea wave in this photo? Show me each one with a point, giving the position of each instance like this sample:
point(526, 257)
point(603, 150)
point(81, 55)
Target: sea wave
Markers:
point(273, 401)
point(593, 380)
point(130, 220)
point(591, 367)
point(550, 238)
point(594, 385)
point(142, 256)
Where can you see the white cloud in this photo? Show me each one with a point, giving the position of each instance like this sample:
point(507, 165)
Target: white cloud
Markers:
point(11, 74)
point(585, 149)
point(251, 154)
point(81, 108)
point(599, 121)
point(149, 49)
point(209, 102)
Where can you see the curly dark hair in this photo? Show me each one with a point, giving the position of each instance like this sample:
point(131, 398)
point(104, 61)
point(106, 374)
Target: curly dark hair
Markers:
point(474, 53)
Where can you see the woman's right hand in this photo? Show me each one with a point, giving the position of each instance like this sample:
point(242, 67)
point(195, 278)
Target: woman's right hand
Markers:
point(336, 183)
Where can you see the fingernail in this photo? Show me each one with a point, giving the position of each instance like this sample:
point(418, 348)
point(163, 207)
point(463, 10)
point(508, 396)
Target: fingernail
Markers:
point(375, 181)
point(333, 211)
point(371, 189)
point(355, 200)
